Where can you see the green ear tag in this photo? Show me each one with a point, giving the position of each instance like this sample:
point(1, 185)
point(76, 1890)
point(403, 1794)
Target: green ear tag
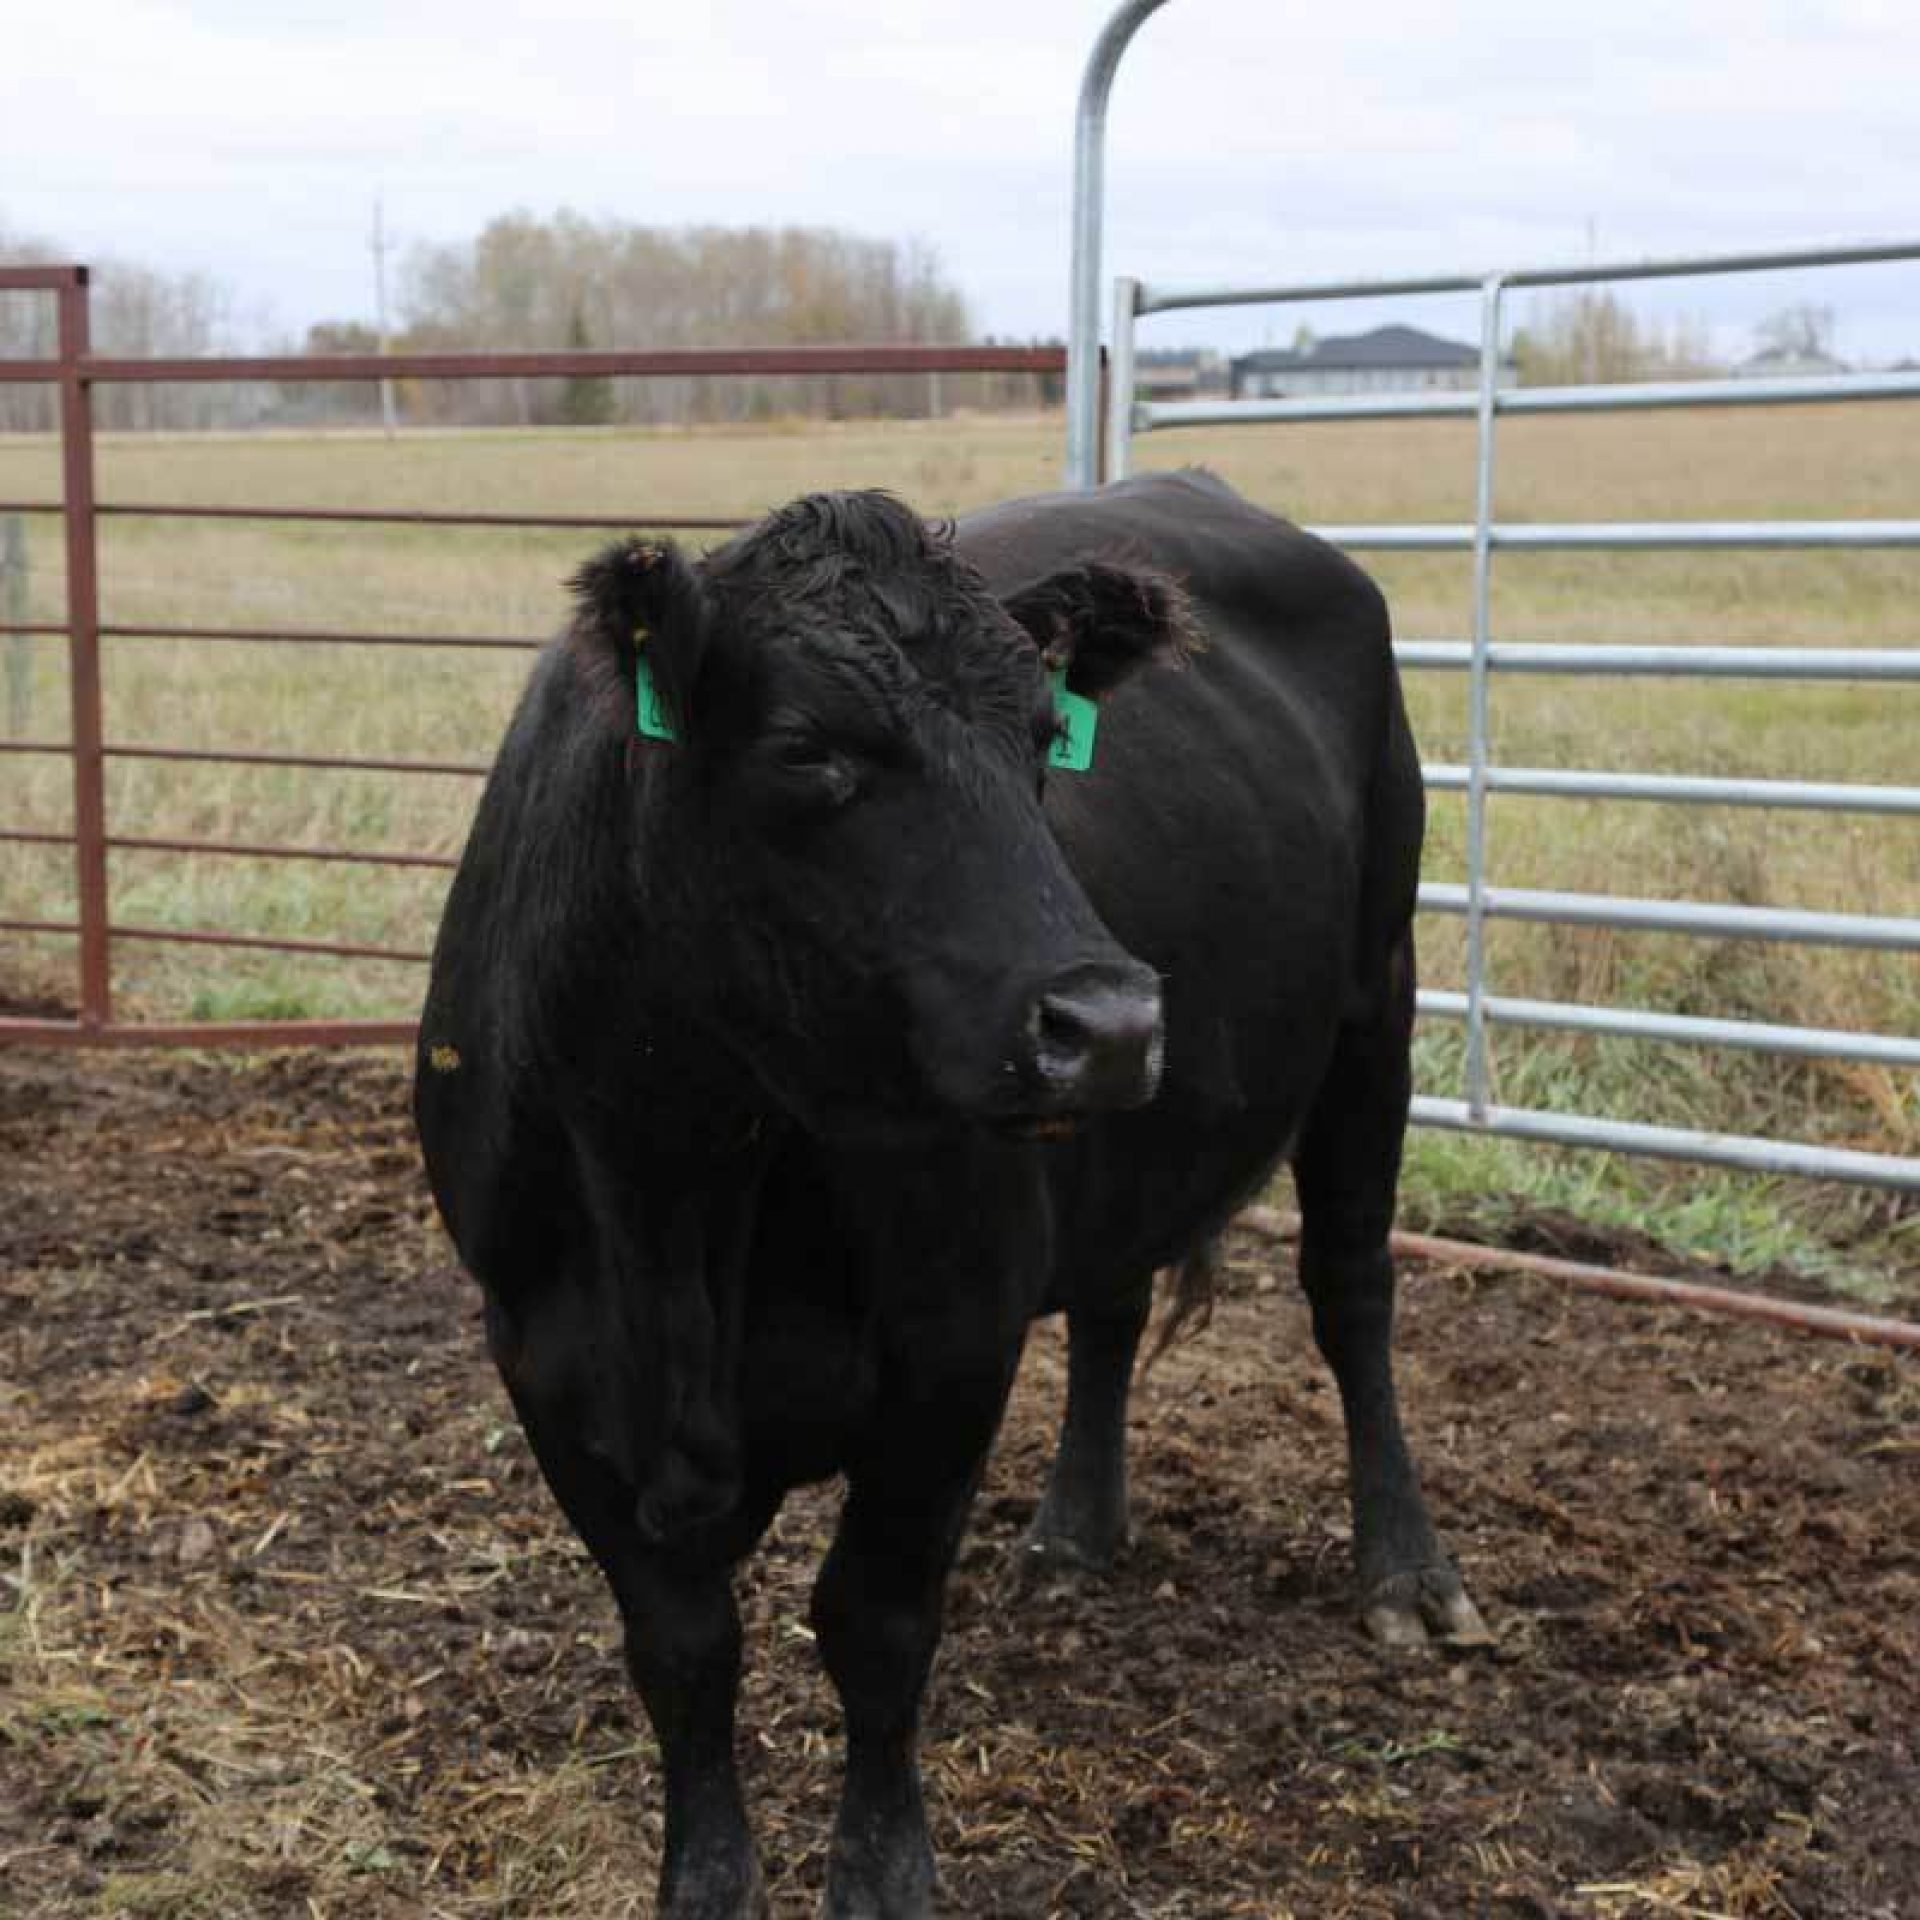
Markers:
point(1073, 747)
point(652, 713)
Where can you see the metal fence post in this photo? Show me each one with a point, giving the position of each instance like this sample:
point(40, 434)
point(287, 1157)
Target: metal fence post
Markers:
point(1120, 380)
point(83, 629)
point(1477, 702)
point(13, 609)
point(1089, 206)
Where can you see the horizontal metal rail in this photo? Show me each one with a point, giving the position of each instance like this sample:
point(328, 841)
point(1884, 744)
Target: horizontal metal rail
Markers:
point(1834, 1323)
point(40, 926)
point(237, 849)
point(45, 628)
point(1571, 783)
point(389, 516)
point(1463, 404)
point(420, 517)
point(263, 757)
point(1683, 662)
point(250, 850)
point(209, 1033)
point(1802, 1159)
point(268, 943)
point(1875, 931)
point(616, 363)
point(1158, 299)
point(1621, 535)
point(324, 637)
point(1640, 1023)
point(1152, 416)
point(1689, 1296)
point(36, 746)
point(41, 279)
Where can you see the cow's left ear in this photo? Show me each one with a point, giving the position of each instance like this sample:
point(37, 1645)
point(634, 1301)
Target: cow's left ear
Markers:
point(1102, 620)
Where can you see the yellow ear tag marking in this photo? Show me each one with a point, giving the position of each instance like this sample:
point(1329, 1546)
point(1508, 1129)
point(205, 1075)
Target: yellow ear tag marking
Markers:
point(444, 1059)
point(651, 711)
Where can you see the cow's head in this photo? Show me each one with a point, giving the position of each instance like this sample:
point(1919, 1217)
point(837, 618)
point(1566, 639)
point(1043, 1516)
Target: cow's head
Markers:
point(842, 852)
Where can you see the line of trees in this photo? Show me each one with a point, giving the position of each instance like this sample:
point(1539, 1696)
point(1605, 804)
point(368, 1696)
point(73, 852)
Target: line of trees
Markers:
point(135, 310)
point(526, 282)
point(1592, 335)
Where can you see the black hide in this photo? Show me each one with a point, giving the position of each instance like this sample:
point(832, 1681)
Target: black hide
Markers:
point(773, 1078)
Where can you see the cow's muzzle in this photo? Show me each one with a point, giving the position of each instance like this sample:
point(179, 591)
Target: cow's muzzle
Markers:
point(1091, 1041)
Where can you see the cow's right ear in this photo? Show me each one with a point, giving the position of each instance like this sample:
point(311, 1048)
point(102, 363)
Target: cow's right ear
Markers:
point(644, 599)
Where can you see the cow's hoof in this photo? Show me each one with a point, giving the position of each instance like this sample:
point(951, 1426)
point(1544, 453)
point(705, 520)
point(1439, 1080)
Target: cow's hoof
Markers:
point(1415, 1609)
point(1042, 1558)
point(719, 1895)
point(900, 1890)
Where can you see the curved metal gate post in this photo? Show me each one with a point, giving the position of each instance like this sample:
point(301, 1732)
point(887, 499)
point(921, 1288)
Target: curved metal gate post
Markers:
point(1089, 198)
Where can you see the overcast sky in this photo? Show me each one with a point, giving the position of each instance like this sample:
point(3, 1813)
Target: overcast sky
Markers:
point(1249, 138)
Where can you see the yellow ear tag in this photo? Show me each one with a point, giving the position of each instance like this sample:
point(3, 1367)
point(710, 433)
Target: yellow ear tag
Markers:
point(652, 713)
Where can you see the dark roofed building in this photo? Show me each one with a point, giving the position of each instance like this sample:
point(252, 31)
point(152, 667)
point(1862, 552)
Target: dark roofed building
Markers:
point(1387, 360)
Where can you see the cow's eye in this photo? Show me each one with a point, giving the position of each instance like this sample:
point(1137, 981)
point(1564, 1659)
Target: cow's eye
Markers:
point(800, 753)
point(811, 769)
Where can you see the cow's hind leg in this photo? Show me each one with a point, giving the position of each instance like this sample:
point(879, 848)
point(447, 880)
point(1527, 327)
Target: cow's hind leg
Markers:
point(1346, 1168)
point(1081, 1524)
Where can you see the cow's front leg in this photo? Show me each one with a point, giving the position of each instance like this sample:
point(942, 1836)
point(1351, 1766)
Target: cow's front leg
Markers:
point(682, 1636)
point(877, 1612)
point(878, 1603)
point(683, 1650)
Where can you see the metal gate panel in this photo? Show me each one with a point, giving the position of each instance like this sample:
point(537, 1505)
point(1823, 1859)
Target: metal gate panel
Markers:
point(1477, 899)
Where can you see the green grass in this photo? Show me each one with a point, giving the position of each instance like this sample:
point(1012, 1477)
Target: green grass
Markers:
point(1811, 462)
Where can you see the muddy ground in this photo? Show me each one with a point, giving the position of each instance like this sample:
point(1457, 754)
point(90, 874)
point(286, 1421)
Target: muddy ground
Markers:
point(291, 1628)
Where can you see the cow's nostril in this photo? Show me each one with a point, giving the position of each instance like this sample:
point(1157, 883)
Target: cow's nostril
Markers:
point(1097, 1042)
point(1060, 1028)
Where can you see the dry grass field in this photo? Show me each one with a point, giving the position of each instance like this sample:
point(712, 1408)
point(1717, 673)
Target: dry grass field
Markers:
point(1802, 462)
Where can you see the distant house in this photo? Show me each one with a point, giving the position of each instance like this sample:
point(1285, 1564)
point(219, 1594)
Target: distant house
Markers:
point(1387, 360)
point(1179, 373)
point(1788, 363)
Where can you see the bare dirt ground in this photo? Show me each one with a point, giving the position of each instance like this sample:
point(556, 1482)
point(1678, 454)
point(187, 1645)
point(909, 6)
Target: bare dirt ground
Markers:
point(291, 1628)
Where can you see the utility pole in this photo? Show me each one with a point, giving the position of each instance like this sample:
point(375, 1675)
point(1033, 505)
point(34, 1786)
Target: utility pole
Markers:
point(380, 308)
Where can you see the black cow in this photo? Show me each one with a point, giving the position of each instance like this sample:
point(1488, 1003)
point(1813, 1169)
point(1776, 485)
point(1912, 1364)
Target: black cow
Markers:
point(774, 1075)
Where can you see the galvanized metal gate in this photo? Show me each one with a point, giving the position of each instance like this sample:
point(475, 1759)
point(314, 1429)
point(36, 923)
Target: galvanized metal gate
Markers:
point(1481, 658)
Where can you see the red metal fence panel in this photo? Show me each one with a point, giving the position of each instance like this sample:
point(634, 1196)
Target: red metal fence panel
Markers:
point(74, 373)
